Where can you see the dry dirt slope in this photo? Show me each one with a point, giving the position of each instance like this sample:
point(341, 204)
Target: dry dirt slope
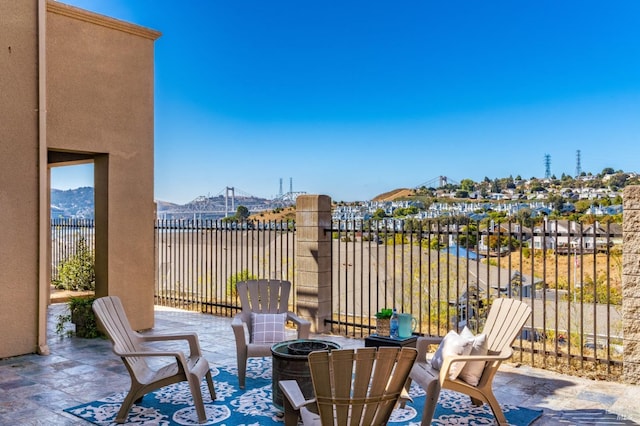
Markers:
point(288, 213)
point(393, 195)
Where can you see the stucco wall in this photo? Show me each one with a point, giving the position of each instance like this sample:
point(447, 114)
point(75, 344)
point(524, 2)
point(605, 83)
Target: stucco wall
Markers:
point(18, 177)
point(100, 101)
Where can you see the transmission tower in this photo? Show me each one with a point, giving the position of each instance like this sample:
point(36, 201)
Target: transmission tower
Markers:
point(578, 167)
point(547, 166)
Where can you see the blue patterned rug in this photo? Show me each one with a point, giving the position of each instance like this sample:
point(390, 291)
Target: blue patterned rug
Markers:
point(173, 405)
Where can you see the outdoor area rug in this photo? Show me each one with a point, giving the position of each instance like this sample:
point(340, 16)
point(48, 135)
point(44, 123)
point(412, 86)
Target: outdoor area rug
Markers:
point(173, 405)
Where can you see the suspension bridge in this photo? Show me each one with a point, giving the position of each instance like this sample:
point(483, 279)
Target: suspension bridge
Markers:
point(226, 202)
point(438, 182)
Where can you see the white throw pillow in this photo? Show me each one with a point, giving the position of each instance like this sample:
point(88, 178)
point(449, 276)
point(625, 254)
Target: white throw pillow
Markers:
point(472, 370)
point(452, 344)
point(268, 328)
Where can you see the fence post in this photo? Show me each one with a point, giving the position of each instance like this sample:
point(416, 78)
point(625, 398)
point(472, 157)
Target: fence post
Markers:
point(313, 259)
point(631, 284)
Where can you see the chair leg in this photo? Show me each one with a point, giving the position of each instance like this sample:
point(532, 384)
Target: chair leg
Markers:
point(431, 402)
point(476, 402)
point(495, 407)
point(194, 384)
point(404, 395)
point(242, 369)
point(123, 413)
point(212, 390)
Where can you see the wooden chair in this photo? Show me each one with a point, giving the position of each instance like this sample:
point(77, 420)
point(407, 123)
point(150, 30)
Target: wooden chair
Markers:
point(129, 345)
point(261, 297)
point(504, 322)
point(351, 387)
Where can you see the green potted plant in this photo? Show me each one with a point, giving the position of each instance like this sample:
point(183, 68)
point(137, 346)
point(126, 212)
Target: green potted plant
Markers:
point(77, 273)
point(383, 319)
point(80, 314)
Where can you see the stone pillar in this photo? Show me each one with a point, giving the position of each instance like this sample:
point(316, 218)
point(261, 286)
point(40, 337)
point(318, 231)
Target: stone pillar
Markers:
point(313, 259)
point(631, 284)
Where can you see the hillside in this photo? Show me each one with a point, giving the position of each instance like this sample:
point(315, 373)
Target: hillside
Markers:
point(394, 195)
point(76, 203)
point(287, 213)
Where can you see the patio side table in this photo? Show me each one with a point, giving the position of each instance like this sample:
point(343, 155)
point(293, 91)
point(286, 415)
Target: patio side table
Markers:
point(376, 341)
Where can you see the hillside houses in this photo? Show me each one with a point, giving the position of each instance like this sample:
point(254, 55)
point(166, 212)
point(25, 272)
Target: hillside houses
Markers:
point(604, 210)
point(473, 210)
point(476, 211)
point(526, 190)
point(561, 236)
point(564, 236)
point(495, 230)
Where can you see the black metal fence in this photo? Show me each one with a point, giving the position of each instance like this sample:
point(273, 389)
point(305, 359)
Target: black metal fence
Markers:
point(199, 261)
point(446, 272)
point(66, 233)
point(443, 272)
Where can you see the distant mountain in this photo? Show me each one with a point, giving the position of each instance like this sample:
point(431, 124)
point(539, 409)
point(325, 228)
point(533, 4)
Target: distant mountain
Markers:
point(75, 203)
point(79, 203)
point(214, 207)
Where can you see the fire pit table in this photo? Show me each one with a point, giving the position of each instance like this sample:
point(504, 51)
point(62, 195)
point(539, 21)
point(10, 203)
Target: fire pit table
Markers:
point(291, 362)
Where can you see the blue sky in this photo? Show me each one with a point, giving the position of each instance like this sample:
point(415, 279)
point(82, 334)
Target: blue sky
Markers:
point(355, 98)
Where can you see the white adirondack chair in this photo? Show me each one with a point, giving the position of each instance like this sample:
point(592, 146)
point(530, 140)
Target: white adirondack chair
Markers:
point(504, 322)
point(129, 345)
point(351, 387)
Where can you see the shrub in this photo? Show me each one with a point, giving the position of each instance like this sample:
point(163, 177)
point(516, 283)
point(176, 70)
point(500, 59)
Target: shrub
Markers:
point(243, 275)
point(78, 271)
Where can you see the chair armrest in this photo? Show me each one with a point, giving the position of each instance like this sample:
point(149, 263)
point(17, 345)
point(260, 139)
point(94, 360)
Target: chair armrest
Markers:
point(191, 338)
point(178, 355)
point(304, 326)
point(448, 361)
point(504, 355)
point(425, 376)
point(172, 354)
point(422, 345)
point(293, 401)
point(291, 391)
point(238, 324)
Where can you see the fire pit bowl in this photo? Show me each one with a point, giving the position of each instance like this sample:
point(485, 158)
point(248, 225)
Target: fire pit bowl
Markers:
point(291, 362)
point(306, 347)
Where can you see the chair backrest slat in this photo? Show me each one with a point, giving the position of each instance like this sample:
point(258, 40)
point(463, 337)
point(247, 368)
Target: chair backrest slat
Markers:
point(364, 363)
point(505, 320)
point(264, 296)
point(110, 313)
point(322, 375)
point(359, 386)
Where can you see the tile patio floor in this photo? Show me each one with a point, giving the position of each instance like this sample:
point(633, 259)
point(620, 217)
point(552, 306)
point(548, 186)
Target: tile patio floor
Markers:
point(35, 389)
